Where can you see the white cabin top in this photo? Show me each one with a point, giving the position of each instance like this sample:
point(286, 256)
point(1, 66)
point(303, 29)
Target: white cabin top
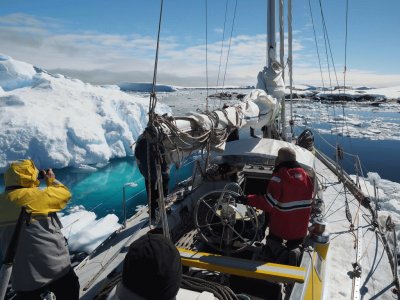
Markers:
point(239, 152)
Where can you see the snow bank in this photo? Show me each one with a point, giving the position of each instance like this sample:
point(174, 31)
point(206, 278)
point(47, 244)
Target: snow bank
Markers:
point(362, 94)
point(60, 122)
point(389, 92)
point(360, 120)
point(83, 231)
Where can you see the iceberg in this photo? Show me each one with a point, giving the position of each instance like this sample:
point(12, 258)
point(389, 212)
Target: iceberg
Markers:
point(145, 87)
point(59, 121)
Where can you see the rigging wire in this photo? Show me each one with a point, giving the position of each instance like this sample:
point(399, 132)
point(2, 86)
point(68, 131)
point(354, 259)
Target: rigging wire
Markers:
point(345, 47)
point(222, 41)
point(230, 42)
point(328, 45)
point(221, 54)
point(316, 45)
point(153, 97)
point(325, 41)
point(355, 156)
point(328, 67)
point(317, 48)
point(345, 68)
point(206, 11)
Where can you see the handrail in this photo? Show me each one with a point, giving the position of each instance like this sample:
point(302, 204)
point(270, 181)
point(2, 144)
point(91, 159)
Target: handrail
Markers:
point(128, 184)
point(134, 184)
point(347, 181)
point(365, 201)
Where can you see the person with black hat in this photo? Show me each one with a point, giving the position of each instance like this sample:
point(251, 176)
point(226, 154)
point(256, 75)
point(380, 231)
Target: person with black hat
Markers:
point(288, 202)
point(152, 270)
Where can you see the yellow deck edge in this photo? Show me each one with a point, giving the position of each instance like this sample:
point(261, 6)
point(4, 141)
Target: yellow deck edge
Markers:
point(242, 267)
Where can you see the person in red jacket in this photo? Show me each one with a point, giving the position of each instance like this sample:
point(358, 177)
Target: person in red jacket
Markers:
point(288, 202)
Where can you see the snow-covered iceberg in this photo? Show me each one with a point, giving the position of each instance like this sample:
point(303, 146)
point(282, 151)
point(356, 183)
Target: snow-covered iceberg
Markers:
point(59, 121)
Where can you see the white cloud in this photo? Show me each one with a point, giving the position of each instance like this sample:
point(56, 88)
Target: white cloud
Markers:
point(47, 44)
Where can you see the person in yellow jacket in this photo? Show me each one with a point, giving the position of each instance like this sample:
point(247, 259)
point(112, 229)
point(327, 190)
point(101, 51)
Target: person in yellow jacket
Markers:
point(42, 263)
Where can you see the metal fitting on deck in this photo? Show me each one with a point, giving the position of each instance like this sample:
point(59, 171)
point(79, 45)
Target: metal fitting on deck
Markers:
point(317, 230)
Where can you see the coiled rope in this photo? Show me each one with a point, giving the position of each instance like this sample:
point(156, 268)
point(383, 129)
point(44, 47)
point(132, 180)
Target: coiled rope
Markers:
point(221, 292)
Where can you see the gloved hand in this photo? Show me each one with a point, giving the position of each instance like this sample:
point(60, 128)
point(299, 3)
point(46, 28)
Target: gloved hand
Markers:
point(242, 199)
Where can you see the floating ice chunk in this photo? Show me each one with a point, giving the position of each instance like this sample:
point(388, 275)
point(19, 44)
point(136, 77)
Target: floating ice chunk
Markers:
point(369, 188)
point(139, 207)
point(83, 231)
point(84, 169)
point(373, 177)
point(375, 130)
point(101, 165)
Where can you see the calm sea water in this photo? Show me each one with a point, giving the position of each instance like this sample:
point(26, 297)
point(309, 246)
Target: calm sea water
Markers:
point(102, 191)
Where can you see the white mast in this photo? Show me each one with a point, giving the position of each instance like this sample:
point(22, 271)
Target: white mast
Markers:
point(290, 60)
point(271, 51)
point(271, 32)
point(282, 52)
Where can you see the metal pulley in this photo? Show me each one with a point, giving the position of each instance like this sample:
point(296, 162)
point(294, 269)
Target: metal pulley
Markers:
point(317, 230)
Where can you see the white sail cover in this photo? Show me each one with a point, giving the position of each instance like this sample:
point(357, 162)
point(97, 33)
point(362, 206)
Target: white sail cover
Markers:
point(271, 81)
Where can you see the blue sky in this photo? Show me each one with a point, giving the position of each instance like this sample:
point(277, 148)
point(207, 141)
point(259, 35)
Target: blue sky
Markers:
point(112, 41)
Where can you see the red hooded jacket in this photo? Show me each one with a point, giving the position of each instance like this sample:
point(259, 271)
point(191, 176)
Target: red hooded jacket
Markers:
point(288, 201)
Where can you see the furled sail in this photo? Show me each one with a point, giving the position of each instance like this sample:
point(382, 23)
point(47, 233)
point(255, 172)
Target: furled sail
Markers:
point(270, 80)
point(182, 135)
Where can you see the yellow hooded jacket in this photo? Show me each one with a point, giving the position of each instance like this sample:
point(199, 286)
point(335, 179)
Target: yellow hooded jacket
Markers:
point(42, 254)
point(21, 176)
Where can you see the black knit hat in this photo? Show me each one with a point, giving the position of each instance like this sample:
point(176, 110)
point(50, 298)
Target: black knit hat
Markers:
point(152, 268)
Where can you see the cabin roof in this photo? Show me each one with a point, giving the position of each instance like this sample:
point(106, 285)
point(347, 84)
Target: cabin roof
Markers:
point(265, 148)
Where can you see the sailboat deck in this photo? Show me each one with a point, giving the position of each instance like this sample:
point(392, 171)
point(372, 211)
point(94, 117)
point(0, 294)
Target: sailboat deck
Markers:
point(346, 246)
